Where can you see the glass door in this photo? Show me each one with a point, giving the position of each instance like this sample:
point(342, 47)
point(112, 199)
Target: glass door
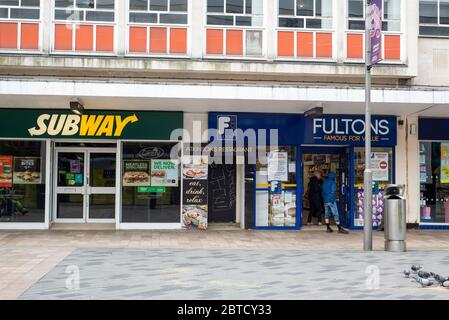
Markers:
point(85, 185)
point(70, 186)
point(101, 186)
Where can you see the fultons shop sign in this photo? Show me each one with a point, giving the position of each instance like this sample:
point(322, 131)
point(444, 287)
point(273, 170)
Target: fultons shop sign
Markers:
point(92, 124)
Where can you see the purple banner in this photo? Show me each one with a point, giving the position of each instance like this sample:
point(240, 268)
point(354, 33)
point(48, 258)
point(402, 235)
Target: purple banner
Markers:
point(376, 31)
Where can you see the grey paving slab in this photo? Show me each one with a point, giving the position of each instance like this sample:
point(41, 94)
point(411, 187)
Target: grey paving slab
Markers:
point(237, 274)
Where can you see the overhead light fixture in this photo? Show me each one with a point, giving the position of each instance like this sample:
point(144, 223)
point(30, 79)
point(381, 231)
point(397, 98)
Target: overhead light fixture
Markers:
point(76, 106)
point(314, 112)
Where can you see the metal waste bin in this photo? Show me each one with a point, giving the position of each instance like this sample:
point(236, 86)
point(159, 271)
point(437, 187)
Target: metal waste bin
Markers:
point(395, 218)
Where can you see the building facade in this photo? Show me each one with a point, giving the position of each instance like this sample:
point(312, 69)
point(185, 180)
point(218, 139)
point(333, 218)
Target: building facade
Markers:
point(150, 73)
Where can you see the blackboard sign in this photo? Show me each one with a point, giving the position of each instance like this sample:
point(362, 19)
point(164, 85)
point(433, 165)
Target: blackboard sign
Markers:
point(222, 192)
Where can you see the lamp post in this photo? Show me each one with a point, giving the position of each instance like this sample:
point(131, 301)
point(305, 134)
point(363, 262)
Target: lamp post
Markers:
point(367, 174)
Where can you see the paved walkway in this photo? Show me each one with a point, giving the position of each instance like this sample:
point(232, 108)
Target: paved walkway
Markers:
point(27, 256)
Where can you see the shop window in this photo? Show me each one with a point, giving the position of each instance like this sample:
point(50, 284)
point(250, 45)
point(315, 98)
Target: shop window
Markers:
point(382, 167)
point(391, 26)
point(22, 181)
point(307, 16)
point(434, 181)
point(434, 18)
point(150, 183)
point(234, 27)
point(19, 24)
point(84, 25)
point(276, 188)
point(158, 27)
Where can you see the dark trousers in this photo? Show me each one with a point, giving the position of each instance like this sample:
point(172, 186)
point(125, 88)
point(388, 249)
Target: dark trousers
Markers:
point(315, 209)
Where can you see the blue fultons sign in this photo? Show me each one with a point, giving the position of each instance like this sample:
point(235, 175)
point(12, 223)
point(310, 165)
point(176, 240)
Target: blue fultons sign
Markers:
point(349, 130)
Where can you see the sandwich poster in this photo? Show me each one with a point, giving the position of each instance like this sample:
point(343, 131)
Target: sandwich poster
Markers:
point(27, 170)
point(164, 173)
point(6, 171)
point(136, 173)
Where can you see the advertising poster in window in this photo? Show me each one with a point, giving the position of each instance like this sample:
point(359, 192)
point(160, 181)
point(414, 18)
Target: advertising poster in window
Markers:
point(444, 175)
point(27, 170)
point(195, 195)
point(136, 173)
point(6, 171)
point(278, 166)
point(164, 173)
point(380, 166)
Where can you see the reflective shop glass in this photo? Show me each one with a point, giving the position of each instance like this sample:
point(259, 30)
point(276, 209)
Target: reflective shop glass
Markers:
point(434, 182)
point(22, 181)
point(141, 203)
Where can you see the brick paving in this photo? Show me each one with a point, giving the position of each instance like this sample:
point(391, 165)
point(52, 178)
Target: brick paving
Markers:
point(27, 256)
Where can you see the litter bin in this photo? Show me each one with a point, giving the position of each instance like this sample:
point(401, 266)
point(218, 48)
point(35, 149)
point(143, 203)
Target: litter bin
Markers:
point(395, 219)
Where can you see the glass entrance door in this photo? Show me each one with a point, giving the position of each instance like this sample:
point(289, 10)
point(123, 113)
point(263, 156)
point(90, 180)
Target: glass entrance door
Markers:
point(85, 185)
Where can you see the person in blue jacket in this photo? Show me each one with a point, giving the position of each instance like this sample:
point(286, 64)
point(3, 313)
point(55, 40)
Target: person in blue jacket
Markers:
point(330, 202)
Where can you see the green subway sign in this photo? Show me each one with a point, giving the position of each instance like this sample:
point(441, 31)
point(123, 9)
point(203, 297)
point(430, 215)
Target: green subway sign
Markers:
point(151, 189)
point(92, 124)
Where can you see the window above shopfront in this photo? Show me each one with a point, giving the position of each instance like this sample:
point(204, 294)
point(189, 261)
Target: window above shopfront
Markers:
point(391, 18)
point(434, 18)
point(234, 28)
point(158, 27)
point(19, 24)
point(308, 14)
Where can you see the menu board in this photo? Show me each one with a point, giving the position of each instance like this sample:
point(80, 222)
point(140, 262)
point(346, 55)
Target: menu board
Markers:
point(164, 173)
point(136, 173)
point(6, 171)
point(444, 175)
point(278, 166)
point(195, 195)
point(27, 170)
point(379, 166)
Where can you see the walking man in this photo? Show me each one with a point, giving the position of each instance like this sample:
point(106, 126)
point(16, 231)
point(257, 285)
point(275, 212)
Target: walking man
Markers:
point(330, 203)
point(315, 197)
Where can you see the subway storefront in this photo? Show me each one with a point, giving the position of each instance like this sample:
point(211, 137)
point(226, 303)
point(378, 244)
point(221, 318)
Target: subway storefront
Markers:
point(99, 167)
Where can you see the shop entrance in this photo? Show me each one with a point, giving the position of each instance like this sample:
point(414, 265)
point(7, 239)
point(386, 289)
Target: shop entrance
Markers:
point(325, 160)
point(85, 185)
point(222, 193)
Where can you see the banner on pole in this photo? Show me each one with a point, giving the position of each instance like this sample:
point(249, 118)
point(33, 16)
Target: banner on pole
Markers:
point(375, 31)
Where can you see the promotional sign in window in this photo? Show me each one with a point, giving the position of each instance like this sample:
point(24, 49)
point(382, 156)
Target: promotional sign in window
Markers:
point(379, 166)
point(278, 166)
point(195, 195)
point(136, 173)
point(164, 173)
point(444, 175)
point(6, 171)
point(27, 170)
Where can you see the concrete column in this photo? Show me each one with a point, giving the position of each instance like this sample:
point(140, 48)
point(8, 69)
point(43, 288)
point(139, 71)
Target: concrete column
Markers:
point(197, 31)
point(339, 18)
point(412, 174)
point(46, 27)
point(121, 18)
point(270, 18)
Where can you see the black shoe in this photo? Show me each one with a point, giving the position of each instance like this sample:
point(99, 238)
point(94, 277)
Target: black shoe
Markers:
point(329, 229)
point(343, 231)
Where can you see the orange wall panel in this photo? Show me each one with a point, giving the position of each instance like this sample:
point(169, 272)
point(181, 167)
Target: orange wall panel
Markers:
point(354, 46)
point(305, 44)
point(29, 36)
point(286, 44)
point(84, 38)
point(8, 35)
point(392, 45)
point(178, 40)
point(158, 40)
point(324, 45)
point(138, 39)
point(214, 41)
point(105, 38)
point(63, 37)
point(234, 42)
